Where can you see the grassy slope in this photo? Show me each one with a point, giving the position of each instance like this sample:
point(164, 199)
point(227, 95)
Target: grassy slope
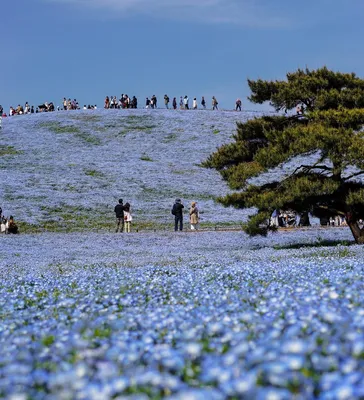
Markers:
point(66, 170)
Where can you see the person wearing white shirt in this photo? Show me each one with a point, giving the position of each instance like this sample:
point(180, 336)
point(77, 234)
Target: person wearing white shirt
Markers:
point(185, 102)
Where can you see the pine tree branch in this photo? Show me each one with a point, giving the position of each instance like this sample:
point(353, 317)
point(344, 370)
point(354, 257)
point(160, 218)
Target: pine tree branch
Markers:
point(332, 210)
point(353, 175)
point(308, 168)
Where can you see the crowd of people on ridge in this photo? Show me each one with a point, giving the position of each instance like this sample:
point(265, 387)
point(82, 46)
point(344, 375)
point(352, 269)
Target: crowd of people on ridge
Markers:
point(27, 109)
point(111, 102)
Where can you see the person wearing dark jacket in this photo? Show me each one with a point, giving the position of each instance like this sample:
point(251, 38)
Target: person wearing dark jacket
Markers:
point(177, 211)
point(12, 226)
point(119, 212)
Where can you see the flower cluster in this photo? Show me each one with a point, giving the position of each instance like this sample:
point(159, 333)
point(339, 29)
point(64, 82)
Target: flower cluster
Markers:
point(210, 315)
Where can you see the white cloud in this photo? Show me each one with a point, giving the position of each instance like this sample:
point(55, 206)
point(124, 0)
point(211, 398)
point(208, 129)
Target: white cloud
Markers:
point(250, 13)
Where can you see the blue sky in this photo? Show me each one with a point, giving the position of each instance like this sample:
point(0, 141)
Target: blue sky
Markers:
point(87, 49)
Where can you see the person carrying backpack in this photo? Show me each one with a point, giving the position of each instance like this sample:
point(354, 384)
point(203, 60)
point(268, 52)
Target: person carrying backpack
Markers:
point(166, 101)
point(214, 103)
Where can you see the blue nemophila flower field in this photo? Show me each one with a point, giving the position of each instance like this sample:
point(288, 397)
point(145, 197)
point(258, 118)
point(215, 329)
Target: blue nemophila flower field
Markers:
point(63, 167)
point(150, 315)
point(181, 315)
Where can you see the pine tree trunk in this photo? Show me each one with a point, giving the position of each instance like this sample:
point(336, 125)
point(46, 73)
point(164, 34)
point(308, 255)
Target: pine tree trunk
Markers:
point(355, 229)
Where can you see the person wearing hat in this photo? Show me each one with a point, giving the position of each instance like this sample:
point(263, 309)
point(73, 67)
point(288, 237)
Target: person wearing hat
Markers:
point(119, 212)
point(194, 216)
point(177, 211)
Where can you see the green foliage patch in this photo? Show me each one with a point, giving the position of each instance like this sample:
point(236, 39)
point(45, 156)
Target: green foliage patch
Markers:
point(8, 150)
point(57, 127)
point(328, 124)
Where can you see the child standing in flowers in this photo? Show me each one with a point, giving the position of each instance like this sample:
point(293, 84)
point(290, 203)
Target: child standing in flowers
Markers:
point(194, 216)
point(127, 217)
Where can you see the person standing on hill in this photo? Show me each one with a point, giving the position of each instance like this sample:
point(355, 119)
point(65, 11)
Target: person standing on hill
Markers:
point(119, 212)
point(181, 103)
point(174, 103)
point(185, 102)
point(214, 103)
point(238, 105)
point(166, 101)
point(194, 216)
point(203, 102)
point(194, 104)
point(177, 211)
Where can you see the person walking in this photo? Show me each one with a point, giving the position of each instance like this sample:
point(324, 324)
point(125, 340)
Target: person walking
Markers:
point(127, 218)
point(119, 212)
point(185, 102)
point(203, 103)
point(238, 105)
point(194, 104)
point(194, 216)
point(174, 103)
point(214, 103)
point(166, 101)
point(177, 211)
point(181, 103)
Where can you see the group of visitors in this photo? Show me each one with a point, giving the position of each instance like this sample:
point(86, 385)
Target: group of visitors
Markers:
point(183, 103)
point(152, 102)
point(288, 218)
point(70, 104)
point(20, 110)
point(177, 211)
point(74, 105)
point(7, 225)
point(27, 109)
point(44, 107)
point(111, 102)
point(123, 217)
point(124, 102)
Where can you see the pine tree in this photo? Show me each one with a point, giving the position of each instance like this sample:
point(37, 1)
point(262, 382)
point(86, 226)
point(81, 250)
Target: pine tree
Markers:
point(327, 132)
